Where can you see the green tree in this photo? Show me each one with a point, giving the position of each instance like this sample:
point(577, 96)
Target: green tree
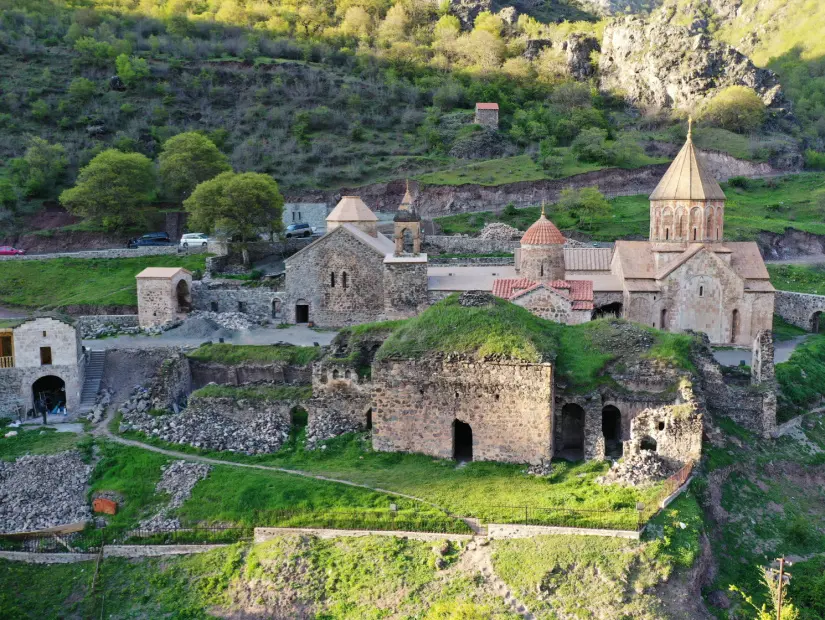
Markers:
point(736, 108)
point(238, 204)
point(112, 188)
point(42, 165)
point(591, 145)
point(81, 90)
point(768, 612)
point(131, 69)
point(584, 204)
point(188, 159)
point(8, 197)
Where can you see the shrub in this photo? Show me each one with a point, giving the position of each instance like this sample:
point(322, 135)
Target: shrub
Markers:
point(740, 182)
point(131, 69)
point(736, 108)
point(81, 90)
point(814, 160)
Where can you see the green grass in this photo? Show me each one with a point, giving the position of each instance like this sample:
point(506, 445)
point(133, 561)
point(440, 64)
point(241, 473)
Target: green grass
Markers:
point(233, 354)
point(782, 330)
point(802, 378)
point(37, 440)
point(771, 205)
point(69, 281)
point(798, 278)
point(288, 392)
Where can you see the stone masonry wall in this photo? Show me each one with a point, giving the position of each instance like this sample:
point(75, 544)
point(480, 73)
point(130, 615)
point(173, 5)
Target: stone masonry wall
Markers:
point(405, 289)
point(159, 250)
point(799, 308)
point(88, 324)
point(259, 303)
point(172, 384)
point(340, 404)
point(467, 245)
point(507, 405)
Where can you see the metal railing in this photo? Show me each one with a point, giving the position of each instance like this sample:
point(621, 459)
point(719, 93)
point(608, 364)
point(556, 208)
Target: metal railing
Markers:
point(626, 519)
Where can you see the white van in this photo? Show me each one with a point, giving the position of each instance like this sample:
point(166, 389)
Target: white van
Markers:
point(194, 240)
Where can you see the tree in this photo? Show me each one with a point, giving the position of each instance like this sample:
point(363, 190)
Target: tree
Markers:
point(112, 187)
point(584, 204)
point(591, 145)
point(42, 165)
point(488, 22)
point(736, 108)
point(131, 69)
point(188, 159)
point(81, 90)
point(768, 612)
point(240, 205)
point(394, 27)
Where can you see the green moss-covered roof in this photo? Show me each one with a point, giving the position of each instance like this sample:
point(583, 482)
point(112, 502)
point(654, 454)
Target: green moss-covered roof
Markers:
point(499, 329)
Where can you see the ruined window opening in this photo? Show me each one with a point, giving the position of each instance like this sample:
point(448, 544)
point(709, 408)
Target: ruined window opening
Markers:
point(541, 270)
point(369, 419)
point(45, 356)
point(667, 234)
point(462, 441)
point(213, 306)
point(734, 325)
point(347, 374)
point(695, 233)
point(332, 279)
point(335, 374)
point(241, 306)
point(612, 431)
point(661, 426)
point(572, 432)
point(344, 279)
point(648, 443)
point(184, 298)
point(276, 308)
point(497, 396)
point(663, 319)
point(701, 291)
point(323, 378)
point(298, 417)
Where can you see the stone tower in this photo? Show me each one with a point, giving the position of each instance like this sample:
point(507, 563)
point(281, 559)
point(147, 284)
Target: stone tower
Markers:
point(542, 251)
point(407, 227)
point(688, 205)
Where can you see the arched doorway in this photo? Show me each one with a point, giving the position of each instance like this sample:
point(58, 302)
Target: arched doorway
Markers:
point(462, 441)
point(734, 325)
point(612, 431)
point(301, 311)
point(817, 324)
point(663, 319)
point(648, 444)
point(183, 296)
point(276, 308)
point(49, 394)
point(608, 311)
point(369, 419)
point(572, 432)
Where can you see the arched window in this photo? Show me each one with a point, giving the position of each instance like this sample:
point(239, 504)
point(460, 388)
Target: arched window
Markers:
point(335, 374)
point(695, 233)
point(701, 291)
point(667, 234)
point(734, 326)
point(332, 279)
point(344, 279)
point(541, 270)
point(663, 319)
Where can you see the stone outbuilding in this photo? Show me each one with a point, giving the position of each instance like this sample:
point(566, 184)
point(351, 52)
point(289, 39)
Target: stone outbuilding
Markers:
point(164, 295)
point(42, 365)
point(487, 115)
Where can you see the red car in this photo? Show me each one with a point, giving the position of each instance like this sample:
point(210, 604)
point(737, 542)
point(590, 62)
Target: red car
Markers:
point(7, 250)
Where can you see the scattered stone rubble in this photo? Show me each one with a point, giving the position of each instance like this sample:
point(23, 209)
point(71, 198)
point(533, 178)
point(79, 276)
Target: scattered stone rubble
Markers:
point(500, 231)
point(227, 320)
point(38, 492)
point(103, 400)
point(93, 329)
point(636, 470)
point(178, 480)
point(253, 428)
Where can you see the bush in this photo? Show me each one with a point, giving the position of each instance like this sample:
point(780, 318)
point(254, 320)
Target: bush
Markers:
point(736, 108)
point(814, 160)
point(81, 90)
point(740, 182)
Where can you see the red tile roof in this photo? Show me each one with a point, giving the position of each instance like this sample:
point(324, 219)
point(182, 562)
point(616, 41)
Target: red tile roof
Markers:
point(542, 232)
point(580, 292)
point(486, 106)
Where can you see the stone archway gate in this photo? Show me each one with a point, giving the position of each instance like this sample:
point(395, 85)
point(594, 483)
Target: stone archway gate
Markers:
point(801, 309)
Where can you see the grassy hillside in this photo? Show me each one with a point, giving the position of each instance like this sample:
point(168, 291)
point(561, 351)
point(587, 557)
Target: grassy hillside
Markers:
point(794, 201)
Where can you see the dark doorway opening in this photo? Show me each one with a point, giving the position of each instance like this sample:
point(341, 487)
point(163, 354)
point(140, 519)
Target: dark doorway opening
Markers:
point(817, 324)
point(663, 319)
point(369, 419)
point(613, 310)
point(572, 432)
point(184, 298)
point(276, 308)
point(49, 394)
point(612, 431)
point(649, 444)
point(301, 313)
point(734, 325)
point(462, 441)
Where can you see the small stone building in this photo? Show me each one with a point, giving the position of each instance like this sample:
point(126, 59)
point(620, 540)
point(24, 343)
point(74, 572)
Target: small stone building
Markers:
point(487, 115)
point(42, 365)
point(164, 295)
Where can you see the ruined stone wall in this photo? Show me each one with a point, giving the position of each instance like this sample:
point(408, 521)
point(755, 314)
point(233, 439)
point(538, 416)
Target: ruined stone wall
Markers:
point(507, 405)
point(405, 288)
point(90, 324)
point(341, 402)
point(800, 309)
point(676, 429)
point(172, 383)
point(158, 250)
point(467, 245)
point(309, 281)
point(10, 393)
point(260, 303)
point(603, 298)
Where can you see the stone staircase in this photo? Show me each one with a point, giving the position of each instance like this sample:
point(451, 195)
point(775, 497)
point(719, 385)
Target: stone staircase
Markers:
point(91, 385)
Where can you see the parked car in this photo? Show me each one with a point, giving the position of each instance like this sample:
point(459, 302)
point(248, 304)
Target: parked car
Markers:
point(194, 240)
point(299, 229)
point(157, 238)
point(7, 250)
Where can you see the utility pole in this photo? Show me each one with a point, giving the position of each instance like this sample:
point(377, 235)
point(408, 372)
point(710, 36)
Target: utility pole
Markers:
point(781, 584)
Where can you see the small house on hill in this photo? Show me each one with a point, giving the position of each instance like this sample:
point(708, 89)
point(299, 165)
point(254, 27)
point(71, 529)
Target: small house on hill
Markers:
point(487, 115)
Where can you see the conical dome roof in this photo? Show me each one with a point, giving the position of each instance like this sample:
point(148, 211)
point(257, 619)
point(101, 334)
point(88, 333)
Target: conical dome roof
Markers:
point(542, 232)
point(687, 178)
point(351, 209)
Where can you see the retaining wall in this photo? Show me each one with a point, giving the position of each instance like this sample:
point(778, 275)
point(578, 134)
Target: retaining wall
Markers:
point(467, 245)
point(119, 253)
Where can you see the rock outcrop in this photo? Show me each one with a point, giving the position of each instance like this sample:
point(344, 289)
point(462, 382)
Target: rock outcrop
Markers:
point(661, 65)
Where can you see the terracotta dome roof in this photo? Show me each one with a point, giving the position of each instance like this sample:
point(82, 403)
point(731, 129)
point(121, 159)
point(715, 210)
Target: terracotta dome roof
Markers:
point(542, 232)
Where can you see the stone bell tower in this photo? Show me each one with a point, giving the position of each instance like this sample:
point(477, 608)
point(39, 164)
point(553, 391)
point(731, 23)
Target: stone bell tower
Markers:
point(407, 235)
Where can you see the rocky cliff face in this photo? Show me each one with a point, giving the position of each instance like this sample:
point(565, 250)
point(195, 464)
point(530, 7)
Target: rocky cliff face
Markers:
point(660, 65)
